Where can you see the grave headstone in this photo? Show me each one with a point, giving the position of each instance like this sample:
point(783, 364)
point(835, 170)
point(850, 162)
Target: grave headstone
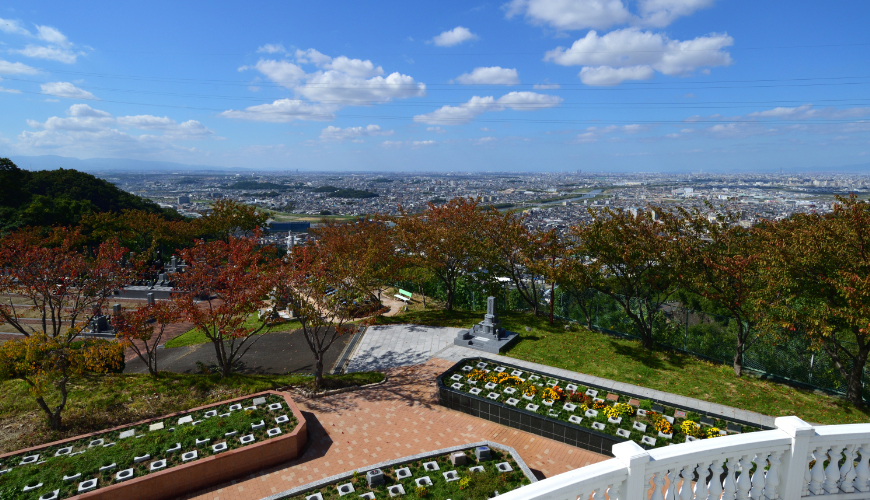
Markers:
point(128, 434)
point(375, 477)
point(658, 408)
point(458, 458)
point(679, 414)
point(634, 402)
point(707, 421)
point(150, 297)
point(488, 335)
point(155, 427)
point(116, 309)
point(482, 453)
point(259, 401)
point(612, 397)
point(732, 427)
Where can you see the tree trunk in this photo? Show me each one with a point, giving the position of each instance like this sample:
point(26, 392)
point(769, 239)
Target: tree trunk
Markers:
point(854, 387)
point(741, 346)
point(423, 295)
point(318, 372)
point(449, 304)
point(552, 300)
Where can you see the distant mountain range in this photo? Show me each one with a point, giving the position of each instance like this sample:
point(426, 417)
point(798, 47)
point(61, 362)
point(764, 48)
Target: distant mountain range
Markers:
point(102, 165)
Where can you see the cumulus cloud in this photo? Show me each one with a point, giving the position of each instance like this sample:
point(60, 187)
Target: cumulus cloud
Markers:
point(466, 112)
point(337, 82)
point(66, 89)
point(52, 35)
point(642, 52)
point(454, 37)
point(494, 75)
point(602, 14)
point(271, 48)
point(87, 131)
point(9, 68)
point(283, 111)
point(331, 133)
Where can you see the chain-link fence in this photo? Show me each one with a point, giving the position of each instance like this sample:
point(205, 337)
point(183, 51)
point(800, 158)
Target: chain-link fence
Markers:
point(691, 331)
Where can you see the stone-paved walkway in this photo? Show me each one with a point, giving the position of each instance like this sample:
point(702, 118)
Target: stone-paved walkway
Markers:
point(397, 419)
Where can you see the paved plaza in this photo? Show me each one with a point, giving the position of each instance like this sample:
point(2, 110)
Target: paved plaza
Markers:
point(394, 420)
point(392, 346)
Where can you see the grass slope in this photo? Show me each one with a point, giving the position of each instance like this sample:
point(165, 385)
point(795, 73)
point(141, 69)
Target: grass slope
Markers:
point(194, 336)
point(624, 360)
point(98, 402)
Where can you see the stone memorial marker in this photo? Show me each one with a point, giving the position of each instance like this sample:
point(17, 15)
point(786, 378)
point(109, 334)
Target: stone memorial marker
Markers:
point(128, 434)
point(488, 335)
point(185, 420)
point(708, 421)
point(259, 401)
point(679, 414)
point(658, 408)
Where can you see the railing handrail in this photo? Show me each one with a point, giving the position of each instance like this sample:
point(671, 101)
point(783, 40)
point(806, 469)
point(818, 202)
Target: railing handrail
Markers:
point(765, 465)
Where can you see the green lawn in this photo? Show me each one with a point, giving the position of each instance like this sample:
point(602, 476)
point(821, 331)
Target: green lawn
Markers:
point(99, 402)
point(585, 351)
point(194, 336)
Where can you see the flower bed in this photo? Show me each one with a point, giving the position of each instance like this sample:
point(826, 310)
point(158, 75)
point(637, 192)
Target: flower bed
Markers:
point(102, 460)
point(471, 479)
point(513, 396)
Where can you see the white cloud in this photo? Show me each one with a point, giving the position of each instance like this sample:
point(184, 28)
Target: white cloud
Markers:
point(594, 134)
point(494, 75)
point(66, 89)
point(602, 14)
point(605, 75)
point(59, 54)
point(270, 48)
point(52, 35)
point(331, 133)
point(338, 82)
point(454, 37)
point(546, 86)
point(422, 143)
point(13, 27)
point(640, 50)
point(91, 132)
point(10, 91)
point(8, 68)
point(571, 14)
point(437, 130)
point(466, 112)
point(660, 13)
point(283, 111)
point(412, 144)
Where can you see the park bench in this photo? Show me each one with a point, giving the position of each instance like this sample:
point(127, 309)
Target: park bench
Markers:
point(404, 295)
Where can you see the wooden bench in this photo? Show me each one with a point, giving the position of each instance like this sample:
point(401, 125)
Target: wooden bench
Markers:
point(404, 295)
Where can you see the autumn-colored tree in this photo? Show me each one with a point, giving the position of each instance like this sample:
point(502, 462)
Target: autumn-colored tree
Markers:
point(815, 276)
point(632, 253)
point(446, 239)
point(53, 287)
point(578, 276)
point(714, 258)
point(509, 250)
point(143, 328)
point(230, 218)
point(226, 284)
point(146, 235)
point(317, 287)
point(366, 249)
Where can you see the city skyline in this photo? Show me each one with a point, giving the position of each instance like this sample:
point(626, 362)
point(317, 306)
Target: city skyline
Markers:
point(526, 85)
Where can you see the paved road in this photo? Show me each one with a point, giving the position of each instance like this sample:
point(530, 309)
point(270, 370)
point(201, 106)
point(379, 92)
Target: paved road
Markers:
point(275, 353)
point(392, 346)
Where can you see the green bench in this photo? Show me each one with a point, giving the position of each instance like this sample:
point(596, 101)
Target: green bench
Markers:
point(404, 295)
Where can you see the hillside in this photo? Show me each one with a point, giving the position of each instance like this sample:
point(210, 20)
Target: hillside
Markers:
point(60, 197)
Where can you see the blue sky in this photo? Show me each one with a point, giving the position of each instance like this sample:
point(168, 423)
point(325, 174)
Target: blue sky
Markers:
point(519, 85)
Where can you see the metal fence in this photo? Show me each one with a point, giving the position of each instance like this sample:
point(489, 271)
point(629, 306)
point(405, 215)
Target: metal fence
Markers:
point(691, 331)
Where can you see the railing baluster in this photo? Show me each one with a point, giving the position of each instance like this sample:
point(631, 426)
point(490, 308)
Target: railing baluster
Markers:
point(862, 472)
point(598, 493)
point(673, 474)
point(617, 491)
point(818, 474)
point(686, 487)
point(771, 479)
point(847, 471)
point(757, 490)
point(701, 484)
point(714, 488)
point(832, 473)
point(744, 482)
point(808, 475)
point(659, 483)
point(730, 485)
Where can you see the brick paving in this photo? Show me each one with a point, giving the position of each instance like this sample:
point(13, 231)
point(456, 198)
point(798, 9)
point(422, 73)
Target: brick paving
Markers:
point(397, 419)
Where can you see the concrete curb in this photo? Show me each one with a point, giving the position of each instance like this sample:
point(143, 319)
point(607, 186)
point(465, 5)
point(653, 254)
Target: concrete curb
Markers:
point(389, 463)
point(343, 359)
point(315, 395)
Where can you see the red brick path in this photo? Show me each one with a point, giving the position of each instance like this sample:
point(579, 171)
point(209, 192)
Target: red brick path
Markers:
point(397, 419)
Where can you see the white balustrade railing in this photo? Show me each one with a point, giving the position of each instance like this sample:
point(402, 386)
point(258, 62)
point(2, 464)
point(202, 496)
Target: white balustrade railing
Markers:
point(794, 461)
